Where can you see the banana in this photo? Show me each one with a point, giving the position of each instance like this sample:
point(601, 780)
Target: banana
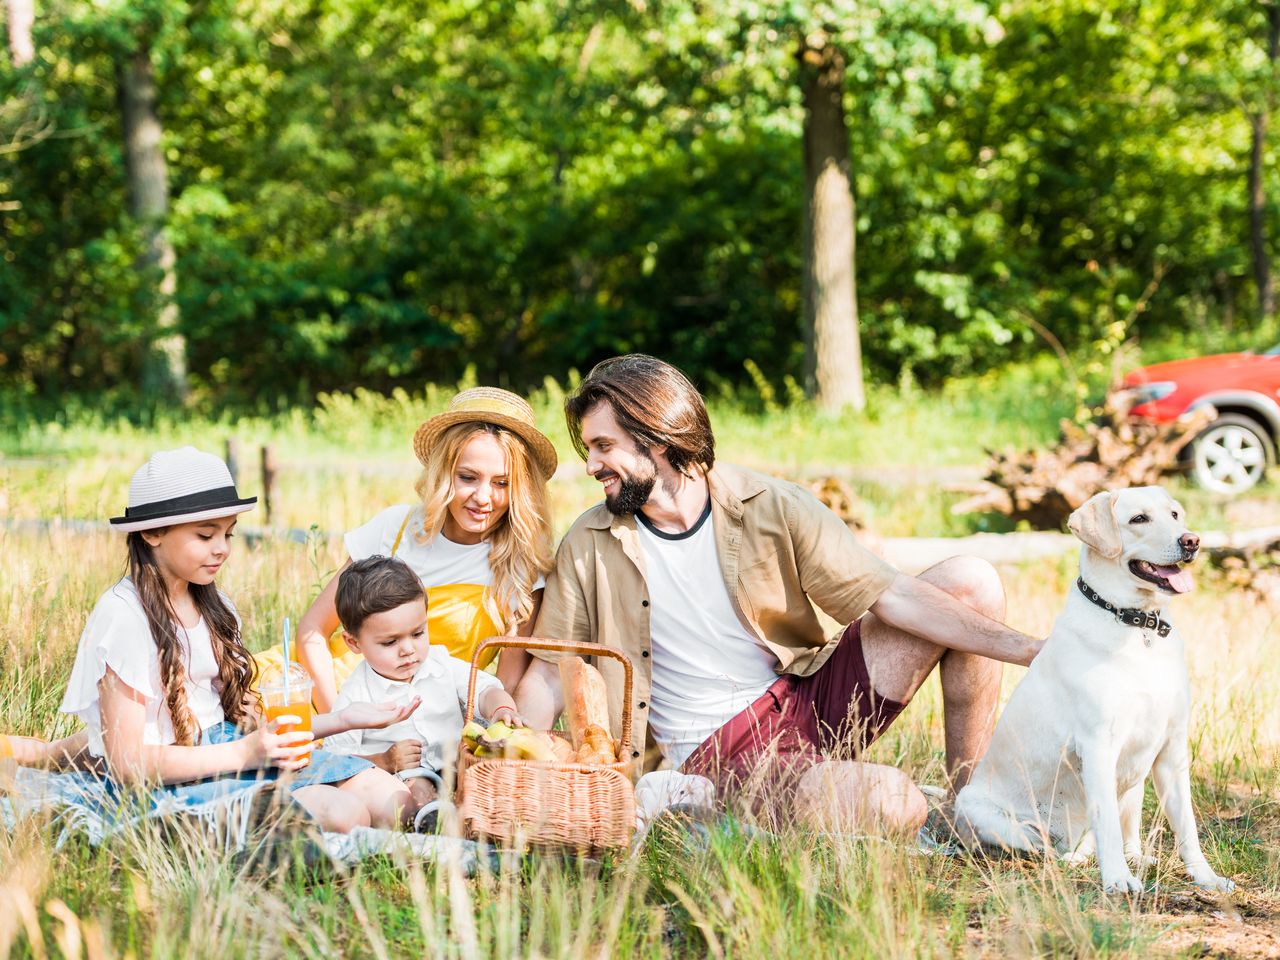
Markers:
point(510, 743)
point(472, 733)
point(528, 745)
point(494, 740)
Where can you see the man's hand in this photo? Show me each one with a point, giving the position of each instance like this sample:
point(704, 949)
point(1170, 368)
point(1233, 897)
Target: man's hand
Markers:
point(917, 607)
point(1037, 644)
point(404, 755)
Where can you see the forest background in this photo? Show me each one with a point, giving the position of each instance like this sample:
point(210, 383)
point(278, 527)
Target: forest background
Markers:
point(243, 203)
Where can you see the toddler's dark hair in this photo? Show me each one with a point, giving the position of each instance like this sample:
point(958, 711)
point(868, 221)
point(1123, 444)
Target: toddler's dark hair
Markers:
point(374, 585)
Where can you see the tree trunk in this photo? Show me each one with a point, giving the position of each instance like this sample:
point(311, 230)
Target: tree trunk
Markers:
point(1259, 120)
point(831, 307)
point(21, 17)
point(165, 369)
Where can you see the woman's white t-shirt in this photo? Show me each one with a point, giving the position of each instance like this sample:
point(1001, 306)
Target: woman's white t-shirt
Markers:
point(118, 637)
point(438, 563)
point(455, 576)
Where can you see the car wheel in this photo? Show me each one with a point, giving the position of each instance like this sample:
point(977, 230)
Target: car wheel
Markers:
point(1231, 454)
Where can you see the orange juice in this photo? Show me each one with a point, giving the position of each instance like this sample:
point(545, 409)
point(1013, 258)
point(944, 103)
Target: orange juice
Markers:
point(289, 695)
point(300, 710)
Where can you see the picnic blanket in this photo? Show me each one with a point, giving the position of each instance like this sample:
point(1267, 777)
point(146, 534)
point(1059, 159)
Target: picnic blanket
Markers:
point(84, 804)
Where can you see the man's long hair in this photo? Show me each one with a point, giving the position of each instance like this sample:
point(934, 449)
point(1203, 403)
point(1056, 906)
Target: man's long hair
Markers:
point(654, 402)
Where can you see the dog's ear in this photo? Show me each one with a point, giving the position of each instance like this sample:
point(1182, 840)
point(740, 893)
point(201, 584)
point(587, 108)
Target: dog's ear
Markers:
point(1094, 522)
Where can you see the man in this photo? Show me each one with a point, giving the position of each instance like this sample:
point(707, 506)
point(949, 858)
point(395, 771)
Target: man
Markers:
point(706, 574)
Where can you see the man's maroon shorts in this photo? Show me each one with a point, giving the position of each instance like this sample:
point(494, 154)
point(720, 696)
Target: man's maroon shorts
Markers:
point(797, 720)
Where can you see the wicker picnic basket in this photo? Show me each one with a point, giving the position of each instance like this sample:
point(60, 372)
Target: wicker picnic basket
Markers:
point(584, 807)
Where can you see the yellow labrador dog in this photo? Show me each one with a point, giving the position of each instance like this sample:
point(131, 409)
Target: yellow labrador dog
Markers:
point(1103, 705)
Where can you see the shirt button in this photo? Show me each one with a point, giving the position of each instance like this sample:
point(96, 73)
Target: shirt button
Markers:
point(644, 603)
point(634, 754)
point(644, 653)
point(642, 704)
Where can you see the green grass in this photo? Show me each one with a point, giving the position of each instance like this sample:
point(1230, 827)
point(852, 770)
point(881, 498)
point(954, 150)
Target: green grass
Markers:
point(906, 458)
point(820, 896)
point(351, 455)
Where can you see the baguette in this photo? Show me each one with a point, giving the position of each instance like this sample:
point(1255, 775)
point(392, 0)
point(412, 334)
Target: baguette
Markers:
point(586, 701)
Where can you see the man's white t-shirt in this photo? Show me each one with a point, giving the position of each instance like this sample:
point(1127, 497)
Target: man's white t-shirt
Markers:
point(707, 666)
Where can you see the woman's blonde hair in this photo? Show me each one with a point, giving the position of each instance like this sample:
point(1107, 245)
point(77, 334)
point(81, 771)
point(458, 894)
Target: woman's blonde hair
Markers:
point(520, 542)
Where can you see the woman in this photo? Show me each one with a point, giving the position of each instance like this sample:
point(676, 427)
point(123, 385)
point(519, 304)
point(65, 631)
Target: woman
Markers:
point(479, 539)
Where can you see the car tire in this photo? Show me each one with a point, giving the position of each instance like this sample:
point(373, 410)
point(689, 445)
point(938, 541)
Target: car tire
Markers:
point(1232, 454)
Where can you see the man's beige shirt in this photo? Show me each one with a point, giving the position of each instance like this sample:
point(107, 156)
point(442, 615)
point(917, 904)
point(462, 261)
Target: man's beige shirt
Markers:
point(779, 549)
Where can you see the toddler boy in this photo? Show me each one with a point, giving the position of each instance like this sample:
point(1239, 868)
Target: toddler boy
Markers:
point(383, 611)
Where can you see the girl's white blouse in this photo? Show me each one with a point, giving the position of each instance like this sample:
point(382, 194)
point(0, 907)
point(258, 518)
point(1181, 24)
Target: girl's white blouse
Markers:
point(117, 636)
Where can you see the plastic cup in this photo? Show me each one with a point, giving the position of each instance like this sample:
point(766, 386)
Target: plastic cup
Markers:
point(295, 700)
point(8, 765)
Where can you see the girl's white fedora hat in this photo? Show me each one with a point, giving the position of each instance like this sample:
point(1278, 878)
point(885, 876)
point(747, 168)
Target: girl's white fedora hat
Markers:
point(180, 486)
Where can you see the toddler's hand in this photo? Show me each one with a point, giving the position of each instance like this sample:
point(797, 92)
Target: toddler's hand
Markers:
point(373, 716)
point(405, 755)
point(508, 715)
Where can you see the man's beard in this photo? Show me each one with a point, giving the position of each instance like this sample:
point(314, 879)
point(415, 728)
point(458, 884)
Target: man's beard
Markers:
point(631, 496)
point(633, 492)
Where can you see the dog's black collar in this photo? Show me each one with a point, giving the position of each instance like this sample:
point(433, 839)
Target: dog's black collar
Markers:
point(1129, 615)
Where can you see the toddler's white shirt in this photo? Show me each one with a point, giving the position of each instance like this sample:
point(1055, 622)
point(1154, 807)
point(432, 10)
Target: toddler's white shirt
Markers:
point(441, 681)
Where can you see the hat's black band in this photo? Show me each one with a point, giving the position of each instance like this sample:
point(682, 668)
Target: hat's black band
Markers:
point(191, 503)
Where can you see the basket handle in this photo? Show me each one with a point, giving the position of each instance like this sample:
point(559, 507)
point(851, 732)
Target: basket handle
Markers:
point(562, 646)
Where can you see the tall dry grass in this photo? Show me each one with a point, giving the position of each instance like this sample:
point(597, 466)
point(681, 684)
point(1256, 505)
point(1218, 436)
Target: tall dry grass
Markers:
point(730, 896)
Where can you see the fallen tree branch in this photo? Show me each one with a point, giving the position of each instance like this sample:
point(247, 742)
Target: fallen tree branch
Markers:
point(1112, 451)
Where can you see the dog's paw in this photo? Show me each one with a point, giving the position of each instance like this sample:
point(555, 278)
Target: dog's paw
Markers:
point(1075, 858)
point(1121, 883)
point(1211, 881)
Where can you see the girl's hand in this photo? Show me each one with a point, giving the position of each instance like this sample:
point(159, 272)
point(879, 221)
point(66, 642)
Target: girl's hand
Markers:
point(251, 705)
point(373, 716)
point(268, 747)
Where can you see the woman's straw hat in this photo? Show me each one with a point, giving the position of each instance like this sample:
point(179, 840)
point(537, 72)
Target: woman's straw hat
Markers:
point(180, 486)
point(490, 405)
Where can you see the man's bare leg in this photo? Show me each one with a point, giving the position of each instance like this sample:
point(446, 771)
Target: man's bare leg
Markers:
point(899, 662)
point(846, 796)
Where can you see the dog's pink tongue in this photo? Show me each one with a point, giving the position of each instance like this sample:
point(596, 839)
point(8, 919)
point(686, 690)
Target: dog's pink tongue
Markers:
point(1179, 577)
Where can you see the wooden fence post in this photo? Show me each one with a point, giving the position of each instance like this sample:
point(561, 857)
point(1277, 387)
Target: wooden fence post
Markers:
point(268, 480)
point(233, 459)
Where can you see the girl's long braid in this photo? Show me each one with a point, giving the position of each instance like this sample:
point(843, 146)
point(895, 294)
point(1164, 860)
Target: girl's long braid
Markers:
point(234, 670)
point(235, 666)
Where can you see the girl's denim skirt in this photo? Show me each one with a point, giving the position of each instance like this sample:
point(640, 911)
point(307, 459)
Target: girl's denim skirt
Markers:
point(325, 767)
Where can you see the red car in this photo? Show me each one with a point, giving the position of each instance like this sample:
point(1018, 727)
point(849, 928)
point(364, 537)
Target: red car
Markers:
point(1231, 454)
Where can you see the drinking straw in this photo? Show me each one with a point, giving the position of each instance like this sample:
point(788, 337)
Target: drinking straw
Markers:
point(286, 659)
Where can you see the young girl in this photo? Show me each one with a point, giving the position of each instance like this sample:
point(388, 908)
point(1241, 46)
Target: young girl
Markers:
point(479, 538)
point(162, 678)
